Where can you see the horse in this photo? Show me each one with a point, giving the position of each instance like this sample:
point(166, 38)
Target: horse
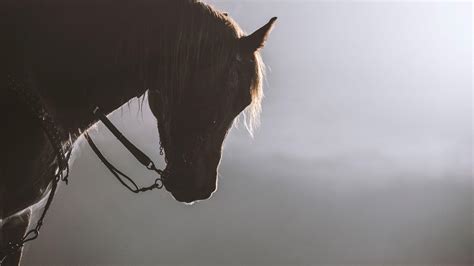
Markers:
point(196, 66)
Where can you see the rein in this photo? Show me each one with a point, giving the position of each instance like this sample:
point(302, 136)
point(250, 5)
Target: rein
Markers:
point(137, 153)
point(53, 133)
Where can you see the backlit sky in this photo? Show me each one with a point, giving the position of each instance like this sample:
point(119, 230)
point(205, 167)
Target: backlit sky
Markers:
point(364, 154)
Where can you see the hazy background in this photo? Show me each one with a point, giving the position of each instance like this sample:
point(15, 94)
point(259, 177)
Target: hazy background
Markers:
point(364, 155)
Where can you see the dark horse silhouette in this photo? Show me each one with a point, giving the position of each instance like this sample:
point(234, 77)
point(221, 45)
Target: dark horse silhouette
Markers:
point(197, 67)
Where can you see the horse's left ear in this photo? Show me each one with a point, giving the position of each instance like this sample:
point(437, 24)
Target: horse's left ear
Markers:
point(256, 40)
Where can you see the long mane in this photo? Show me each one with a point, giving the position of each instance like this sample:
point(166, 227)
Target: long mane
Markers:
point(200, 36)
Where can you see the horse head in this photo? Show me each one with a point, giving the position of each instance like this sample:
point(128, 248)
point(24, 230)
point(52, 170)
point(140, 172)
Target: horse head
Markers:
point(194, 111)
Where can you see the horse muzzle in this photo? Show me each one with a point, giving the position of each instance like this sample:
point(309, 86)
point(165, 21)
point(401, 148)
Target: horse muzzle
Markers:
point(189, 184)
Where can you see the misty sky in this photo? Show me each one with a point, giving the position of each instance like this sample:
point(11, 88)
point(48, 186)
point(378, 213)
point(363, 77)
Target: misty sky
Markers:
point(364, 154)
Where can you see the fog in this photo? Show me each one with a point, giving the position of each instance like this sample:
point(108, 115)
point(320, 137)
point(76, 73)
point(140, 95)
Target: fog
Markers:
point(363, 156)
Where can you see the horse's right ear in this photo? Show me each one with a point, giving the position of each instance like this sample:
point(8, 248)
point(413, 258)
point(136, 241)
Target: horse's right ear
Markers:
point(256, 40)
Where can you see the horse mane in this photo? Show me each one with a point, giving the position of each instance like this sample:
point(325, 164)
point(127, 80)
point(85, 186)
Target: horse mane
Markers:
point(199, 36)
point(252, 112)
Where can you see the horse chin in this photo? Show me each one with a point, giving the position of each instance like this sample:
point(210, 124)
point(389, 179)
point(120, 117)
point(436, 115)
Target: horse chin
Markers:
point(189, 187)
point(189, 196)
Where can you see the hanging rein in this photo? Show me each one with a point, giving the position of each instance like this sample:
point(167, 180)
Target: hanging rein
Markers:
point(137, 153)
point(63, 152)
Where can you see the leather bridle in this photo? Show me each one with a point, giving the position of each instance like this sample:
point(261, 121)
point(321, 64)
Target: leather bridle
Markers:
point(136, 152)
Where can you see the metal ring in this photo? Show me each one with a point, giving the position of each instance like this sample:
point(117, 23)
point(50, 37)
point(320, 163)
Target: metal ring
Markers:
point(159, 183)
point(151, 166)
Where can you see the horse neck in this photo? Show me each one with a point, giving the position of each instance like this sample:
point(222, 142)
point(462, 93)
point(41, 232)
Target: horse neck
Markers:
point(72, 104)
point(73, 108)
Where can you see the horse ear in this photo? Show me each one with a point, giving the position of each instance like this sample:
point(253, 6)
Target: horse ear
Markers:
point(256, 40)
